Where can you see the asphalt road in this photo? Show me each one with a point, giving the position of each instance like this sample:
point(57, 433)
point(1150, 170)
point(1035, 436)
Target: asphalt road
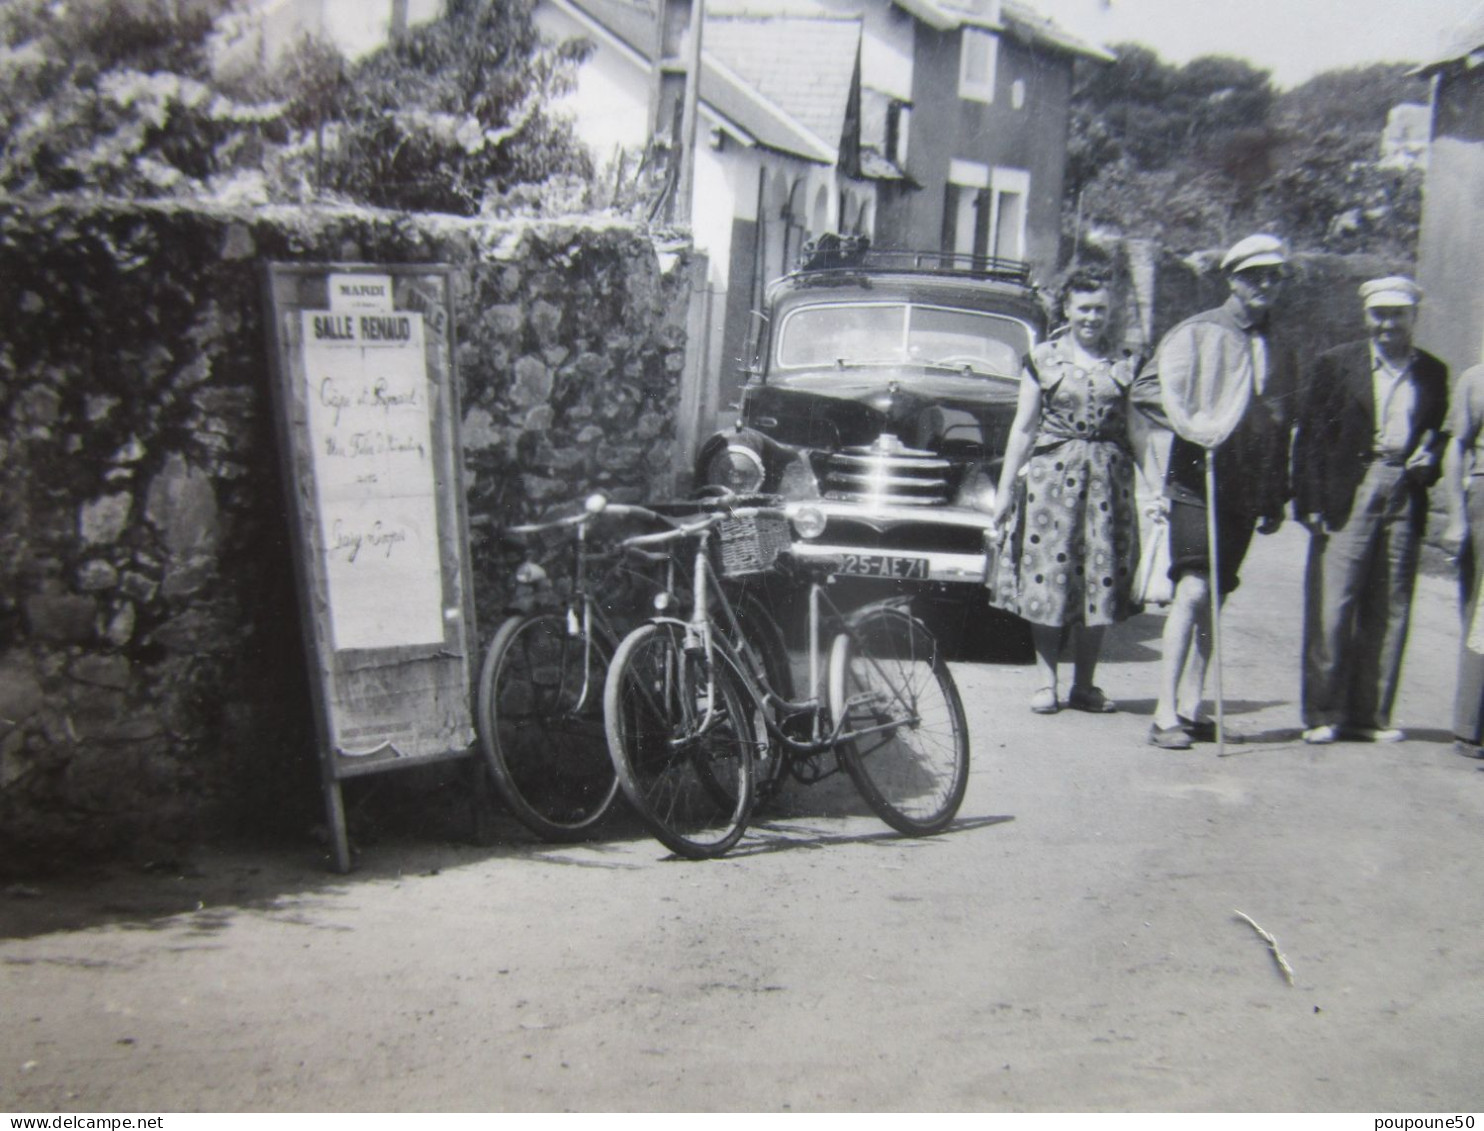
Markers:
point(1071, 944)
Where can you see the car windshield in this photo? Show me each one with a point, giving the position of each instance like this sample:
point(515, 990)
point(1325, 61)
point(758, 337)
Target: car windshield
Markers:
point(886, 333)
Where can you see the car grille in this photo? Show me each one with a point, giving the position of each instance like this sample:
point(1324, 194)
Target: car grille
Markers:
point(903, 538)
point(887, 472)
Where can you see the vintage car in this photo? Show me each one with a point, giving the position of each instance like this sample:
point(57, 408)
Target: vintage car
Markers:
point(881, 388)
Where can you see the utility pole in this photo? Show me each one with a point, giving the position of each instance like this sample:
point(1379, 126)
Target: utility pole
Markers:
point(686, 187)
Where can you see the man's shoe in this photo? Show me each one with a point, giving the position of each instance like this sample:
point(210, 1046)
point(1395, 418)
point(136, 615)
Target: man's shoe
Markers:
point(1374, 734)
point(1169, 738)
point(1043, 702)
point(1091, 699)
point(1321, 735)
point(1467, 749)
point(1204, 730)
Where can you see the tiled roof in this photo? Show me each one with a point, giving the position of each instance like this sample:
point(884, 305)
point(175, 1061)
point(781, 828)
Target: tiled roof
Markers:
point(734, 100)
point(1025, 23)
point(807, 9)
point(1017, 20)
point(1466, 39)
point(630, 22)
point(781, 83)
point(802, 66)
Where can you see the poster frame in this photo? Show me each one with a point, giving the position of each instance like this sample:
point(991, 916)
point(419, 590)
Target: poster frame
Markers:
point(331, 672)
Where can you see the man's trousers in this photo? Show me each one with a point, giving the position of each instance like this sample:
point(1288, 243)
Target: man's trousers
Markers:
point(1468, 704)
point(1357, 602)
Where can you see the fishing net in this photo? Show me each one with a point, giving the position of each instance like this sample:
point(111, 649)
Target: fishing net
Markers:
point(1205, 381)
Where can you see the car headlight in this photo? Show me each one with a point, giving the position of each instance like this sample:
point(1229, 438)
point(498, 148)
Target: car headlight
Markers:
point(737, 467)
point(977, 489)
point(808, 522)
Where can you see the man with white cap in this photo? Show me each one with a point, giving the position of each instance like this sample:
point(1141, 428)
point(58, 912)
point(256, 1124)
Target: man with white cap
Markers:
point(1369, 444)
point(1235, 348)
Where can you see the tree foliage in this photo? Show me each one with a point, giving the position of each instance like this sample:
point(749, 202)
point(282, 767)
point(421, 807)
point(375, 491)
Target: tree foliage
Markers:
point(126, 98)
point(117, 96)
point(452, 117)
point(1195, 155)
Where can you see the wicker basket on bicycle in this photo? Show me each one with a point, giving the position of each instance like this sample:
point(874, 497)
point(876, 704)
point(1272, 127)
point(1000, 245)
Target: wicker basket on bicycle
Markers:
point(750, 543)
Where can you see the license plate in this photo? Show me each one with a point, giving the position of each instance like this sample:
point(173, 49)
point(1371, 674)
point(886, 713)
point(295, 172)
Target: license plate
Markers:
point(883, 565)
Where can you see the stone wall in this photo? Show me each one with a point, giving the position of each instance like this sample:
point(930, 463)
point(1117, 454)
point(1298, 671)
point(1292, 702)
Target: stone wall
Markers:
point(152, 680)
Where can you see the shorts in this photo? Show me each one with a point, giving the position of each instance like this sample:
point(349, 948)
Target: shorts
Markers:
point(1188, 547)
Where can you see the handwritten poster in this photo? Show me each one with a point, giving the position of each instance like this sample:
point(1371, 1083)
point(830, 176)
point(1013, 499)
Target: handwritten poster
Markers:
point(367, 401)
point(369, 415)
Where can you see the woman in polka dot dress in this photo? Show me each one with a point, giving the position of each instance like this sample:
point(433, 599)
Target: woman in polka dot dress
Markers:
point(1070, 547)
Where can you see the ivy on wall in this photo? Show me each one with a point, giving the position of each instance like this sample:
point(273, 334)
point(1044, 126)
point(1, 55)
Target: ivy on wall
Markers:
point(151, 676)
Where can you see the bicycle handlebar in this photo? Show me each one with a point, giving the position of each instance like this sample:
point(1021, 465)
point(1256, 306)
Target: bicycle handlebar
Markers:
point(683, 529)
point(614, 510)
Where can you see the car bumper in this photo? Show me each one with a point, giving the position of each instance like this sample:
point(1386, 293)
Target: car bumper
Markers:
point(905, 546)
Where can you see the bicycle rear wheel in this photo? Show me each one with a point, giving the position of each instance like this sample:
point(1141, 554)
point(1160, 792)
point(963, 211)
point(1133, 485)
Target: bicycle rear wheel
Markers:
point(888, 680)
point(760, 645)
point(540, 720)
point(682, 737)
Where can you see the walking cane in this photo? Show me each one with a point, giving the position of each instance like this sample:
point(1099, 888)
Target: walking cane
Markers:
point(1215, 598)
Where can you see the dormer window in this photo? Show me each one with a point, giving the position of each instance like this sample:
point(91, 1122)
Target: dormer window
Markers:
point(978, 56)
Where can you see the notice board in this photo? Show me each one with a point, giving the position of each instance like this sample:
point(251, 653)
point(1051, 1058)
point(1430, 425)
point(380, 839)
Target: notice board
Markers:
point(367, 400)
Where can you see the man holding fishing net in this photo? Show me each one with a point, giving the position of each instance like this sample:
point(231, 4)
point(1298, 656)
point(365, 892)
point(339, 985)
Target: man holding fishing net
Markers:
point(1226, 388)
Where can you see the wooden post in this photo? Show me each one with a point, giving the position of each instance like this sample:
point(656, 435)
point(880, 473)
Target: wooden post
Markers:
point(691, 412)
point(687, 186)
point(335, 818)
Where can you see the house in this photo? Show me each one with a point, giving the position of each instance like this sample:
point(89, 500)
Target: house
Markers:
point(1405, 139)
point(990, 110)
point(264, 30)
point(774, 161)
point(1450, 246)
point(929, 124)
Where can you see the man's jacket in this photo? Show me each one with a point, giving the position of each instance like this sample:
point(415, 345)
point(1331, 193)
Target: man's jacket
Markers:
point(1336, 437)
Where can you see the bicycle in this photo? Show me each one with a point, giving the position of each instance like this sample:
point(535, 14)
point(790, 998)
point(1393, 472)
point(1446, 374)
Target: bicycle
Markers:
point(690, 718)
point(539, 698)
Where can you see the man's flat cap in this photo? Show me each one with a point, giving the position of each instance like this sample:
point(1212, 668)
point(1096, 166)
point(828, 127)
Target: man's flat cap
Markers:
point(1394, 290)
point(1254, 251)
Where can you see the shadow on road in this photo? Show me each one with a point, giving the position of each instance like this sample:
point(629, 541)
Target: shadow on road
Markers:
point(766, 837)
point(1232, 706)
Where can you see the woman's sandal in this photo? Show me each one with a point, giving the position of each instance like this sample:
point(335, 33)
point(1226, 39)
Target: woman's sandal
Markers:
point(1043, 702)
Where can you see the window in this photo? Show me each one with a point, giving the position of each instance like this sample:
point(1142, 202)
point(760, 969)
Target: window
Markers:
point(968, 218)
point(898, 118)
point(1017, 94)
point(966, 208)
point(1010, 190)
point(978, 55)
point(889, 333)
point(984, 210)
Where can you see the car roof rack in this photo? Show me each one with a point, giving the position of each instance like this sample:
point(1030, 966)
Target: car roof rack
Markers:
point(854, 254)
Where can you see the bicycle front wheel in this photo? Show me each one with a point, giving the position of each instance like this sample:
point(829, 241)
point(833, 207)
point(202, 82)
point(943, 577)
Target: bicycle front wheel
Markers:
point(682, 737)
point(906, 744)
point(540, 720)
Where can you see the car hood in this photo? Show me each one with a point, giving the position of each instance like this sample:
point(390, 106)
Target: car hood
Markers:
point(933, 410)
